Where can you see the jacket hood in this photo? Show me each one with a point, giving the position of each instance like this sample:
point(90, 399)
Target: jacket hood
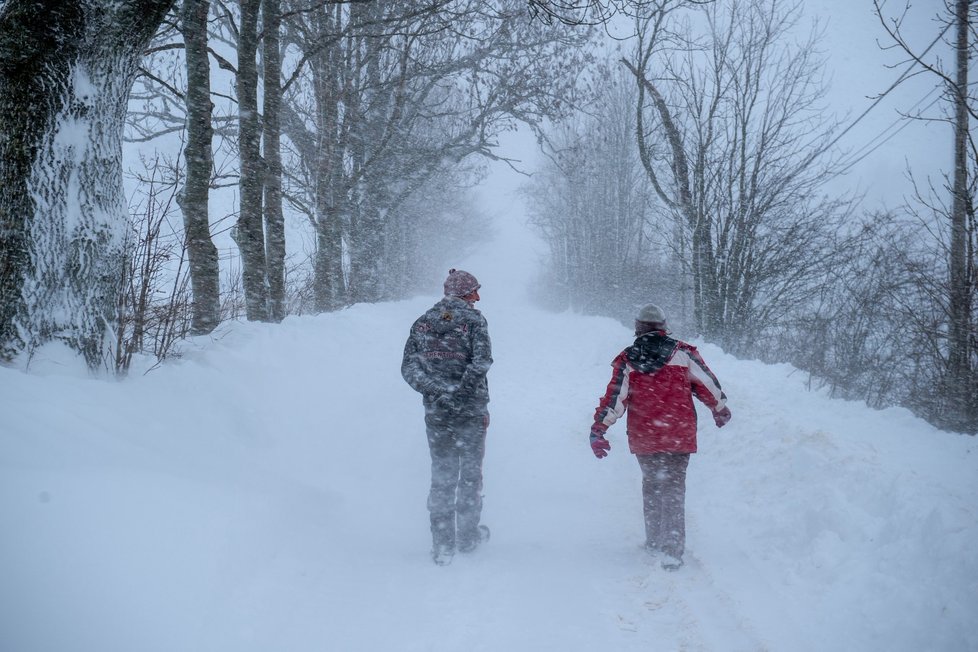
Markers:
point(651, 351)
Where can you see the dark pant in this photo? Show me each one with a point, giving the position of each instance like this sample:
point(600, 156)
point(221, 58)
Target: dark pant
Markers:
point(664, 500)
point(457, 444)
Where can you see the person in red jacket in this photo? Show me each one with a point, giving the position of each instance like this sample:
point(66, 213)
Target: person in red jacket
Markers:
point(655, 380)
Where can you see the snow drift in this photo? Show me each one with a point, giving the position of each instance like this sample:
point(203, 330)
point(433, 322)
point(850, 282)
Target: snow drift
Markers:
point(267, 491)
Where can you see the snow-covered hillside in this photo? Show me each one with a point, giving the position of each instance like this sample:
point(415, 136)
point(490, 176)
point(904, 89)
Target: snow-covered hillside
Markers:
point(267, 492)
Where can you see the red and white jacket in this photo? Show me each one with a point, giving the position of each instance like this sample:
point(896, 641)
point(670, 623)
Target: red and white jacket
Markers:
point(655, 380)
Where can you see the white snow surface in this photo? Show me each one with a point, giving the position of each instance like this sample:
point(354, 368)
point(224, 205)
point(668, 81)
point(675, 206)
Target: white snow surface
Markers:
point(267, 491)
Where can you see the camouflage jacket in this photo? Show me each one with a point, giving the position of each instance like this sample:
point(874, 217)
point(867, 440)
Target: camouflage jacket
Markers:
point(447, 356)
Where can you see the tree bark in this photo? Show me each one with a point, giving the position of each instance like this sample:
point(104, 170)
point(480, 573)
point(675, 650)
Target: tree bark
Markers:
point(272, 134)
point(330, 191)
point(250, 235)
point(66, 69)
point(202, 254)
point(371, 108)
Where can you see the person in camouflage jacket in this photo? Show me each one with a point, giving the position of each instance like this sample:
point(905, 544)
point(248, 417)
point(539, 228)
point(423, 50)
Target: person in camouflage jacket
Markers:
point(446, 358)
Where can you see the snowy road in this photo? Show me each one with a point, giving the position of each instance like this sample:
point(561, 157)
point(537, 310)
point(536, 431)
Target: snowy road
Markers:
point(268, 492)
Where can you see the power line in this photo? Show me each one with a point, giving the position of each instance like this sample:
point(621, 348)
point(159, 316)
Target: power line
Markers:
point(906, 123)
point(879, 99)
point(893, 124)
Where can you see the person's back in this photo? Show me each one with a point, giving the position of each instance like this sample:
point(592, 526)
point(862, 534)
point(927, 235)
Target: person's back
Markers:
point(448, 354)
point(446, 358)
point(655, 380)
point(660, 377)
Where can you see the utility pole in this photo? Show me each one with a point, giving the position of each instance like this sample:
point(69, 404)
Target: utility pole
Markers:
point(960, 381)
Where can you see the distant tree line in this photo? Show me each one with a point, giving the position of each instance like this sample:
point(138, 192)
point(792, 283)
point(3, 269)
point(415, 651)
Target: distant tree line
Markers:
point(698, 177)
point(367, 119)
point(371, 116)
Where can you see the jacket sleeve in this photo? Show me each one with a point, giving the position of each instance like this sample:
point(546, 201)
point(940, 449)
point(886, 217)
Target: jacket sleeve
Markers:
point(411, 369)
point(481, 360)
point(705, 385)
point(614, 402)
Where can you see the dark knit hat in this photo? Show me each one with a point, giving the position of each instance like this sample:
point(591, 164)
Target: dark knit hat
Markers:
point(460, 284)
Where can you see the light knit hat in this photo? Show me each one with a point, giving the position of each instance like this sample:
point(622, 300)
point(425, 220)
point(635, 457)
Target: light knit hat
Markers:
point(651, 314)
point(650, 318)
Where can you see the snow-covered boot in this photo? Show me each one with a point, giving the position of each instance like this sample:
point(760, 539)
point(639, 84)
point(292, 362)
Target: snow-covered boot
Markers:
point(671, 563)
point(442, 554)
point(470, 543)
point(443, 538)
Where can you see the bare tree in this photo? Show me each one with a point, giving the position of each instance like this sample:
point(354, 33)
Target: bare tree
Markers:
point(732, 139)
point(249, 233)
point(592, 204)
point(204, 268)
point(597, 12)
point(154, 304)
point(272, 149)
point(960, 383)
point(66, 69)
point(403, 92)
point(317, 132)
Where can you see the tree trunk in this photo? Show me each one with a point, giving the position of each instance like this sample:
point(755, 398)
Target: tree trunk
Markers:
point(327, 265)
point(330, 193)
point(66, 69)
point(960, 382)
point(250, 235)
point(706, 315)
point(372, 108)
point(204, 267)
point(272, 134)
